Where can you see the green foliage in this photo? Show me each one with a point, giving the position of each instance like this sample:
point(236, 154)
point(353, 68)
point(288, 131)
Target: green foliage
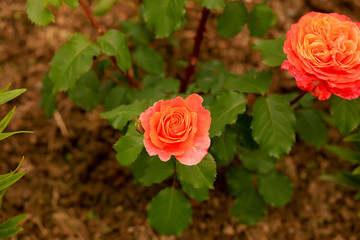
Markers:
point(351, 156)
point(169, 212)
point(48, 97)
point(311, 127)
point(211, 76)
point(249, 207)
point(139, 34)
point(199, 176)
point(38, 13)
point(225, 111)
point(273, 125)
point(113, 43)
point(257, 160)
point(9, 227)
point(103, 6)
point(238, 180)
point(199, 194)
point(346, 113)
point(234, 12)
point(72, 3)
point(276, 188)
point(6, 96)
point(86, 92)
point(71, 61)
point(128, 149)
point(250, 82)
point(149, 60)
point(4, 122)
point(161, 84)
point(213, 4)
point(344, 178)
point(148, 170)
point(261, 19)
point(164, 16)
point(271, 51)
point(225, 146)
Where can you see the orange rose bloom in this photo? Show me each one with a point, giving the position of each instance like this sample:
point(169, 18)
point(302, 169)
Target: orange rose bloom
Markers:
point(323, 54)
point(177, 127)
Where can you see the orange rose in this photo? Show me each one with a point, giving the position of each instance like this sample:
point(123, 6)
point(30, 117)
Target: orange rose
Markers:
point(177, 127)
point(323, 54)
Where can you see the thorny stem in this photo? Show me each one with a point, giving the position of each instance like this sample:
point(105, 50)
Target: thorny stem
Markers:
point(190, 69)
point(129, 74)
point(298, 98)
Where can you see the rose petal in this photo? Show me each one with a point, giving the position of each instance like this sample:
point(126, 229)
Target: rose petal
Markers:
point(197, 152)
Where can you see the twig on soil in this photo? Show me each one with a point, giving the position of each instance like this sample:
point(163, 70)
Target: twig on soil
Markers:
point(298, 98)
point(61, 124)
point(190, 69)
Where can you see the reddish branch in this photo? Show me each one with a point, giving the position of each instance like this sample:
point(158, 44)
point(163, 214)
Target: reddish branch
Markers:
point(298, 98)
point(190, 69)
point(129, 74)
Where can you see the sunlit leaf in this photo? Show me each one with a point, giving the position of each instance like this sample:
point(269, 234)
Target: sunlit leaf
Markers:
point(213, 4)
point(103, 6)
point(128, 149)
point(38, 13)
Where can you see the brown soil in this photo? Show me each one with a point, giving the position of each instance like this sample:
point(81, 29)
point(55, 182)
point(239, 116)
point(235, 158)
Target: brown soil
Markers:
point(75, 189)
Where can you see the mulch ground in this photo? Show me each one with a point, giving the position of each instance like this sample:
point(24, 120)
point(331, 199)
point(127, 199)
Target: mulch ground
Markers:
point(75, 189)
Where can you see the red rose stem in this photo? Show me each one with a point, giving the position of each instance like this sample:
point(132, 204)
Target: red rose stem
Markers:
point(129, 74)
point(295, 100)
point(190, 69)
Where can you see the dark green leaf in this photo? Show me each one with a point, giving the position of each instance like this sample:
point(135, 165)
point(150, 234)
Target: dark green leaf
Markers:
point(273, 125)
point(225, 111)
point(344, 178)
point(211, 76)
point(199, 194)
point(149, 60)
point(238, 180)
point(311, 127)
point(118, 117)
point(72, 3)
point(306, 101)
point(351, 156)
point(261, 19)
point(232, 20)
point(148, 170)
point(256, 160)
point(169, 212)
point(116, 97)
point(272, 51)
point(137, 32)
point(38, 13)
point(353, 138)
point(113, 43)
point(213, 4)
point(251, 81)
point(346, 113)
point(244, 131)
point(165, 16)
point(249, 207)
point(128, 149)
point(276, 188)
point(199, 176)
point(225, 146)
point(103, 6)
point(86, 92)
point(48, 97)
point(166, 85)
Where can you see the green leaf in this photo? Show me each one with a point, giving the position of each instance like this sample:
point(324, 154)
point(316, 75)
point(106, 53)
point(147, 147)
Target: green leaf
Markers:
point(8, 232)
point(71, 61)
point(163, 84)
point(10, 180)
point(113, 43)
point(276, 188)
point(249, 207)
point(103, 6)
point(119, 116)
point(343, 178)
point(346, 113)
point(199, 194)
point(244, 131)
point(353, 138)
point(235, 12)
point(273, 125)
point(257, 160)
point(128, 149)
point(225, 111)
point(116, 96)
point(211, 76)
point(9, 134)
point(148, 170)
point(213, 4)
point(356, 171)
point(48, 97)
point(311, 127)
point(12, 222)
point(72, 3)
point(38, 13)
point(251, 81)
point(86, 92)
point(5, 88)
point(272, 51)
point(149, 60)
point(169, 212)
point(165, 16)
point(351, 156)
point(261, 19)
point(199, 176)
point(238, 180)
point(225, 146)
point(9, 95)
point(54, 3)
point(139, 34)
point(5, 121)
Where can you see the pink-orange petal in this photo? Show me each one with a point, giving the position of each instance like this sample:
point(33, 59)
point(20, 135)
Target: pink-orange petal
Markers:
point(197, 152)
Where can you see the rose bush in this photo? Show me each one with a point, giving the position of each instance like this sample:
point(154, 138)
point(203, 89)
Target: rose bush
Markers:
point(177, 127)
point(323, 54)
